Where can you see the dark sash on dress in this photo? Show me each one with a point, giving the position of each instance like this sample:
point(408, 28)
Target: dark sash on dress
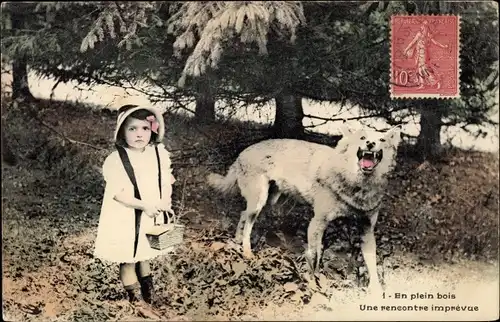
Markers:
point(130, 172)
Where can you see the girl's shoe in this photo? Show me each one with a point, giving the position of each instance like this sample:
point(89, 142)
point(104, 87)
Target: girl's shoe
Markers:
point(147, 289)
point(143, 308)
point(134, 294)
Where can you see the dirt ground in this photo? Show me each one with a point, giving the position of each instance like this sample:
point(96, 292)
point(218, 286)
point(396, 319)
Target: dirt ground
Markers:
point(437, 233)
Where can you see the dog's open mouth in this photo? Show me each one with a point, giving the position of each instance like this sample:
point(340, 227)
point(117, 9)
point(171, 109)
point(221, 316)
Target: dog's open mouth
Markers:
point(368, 160)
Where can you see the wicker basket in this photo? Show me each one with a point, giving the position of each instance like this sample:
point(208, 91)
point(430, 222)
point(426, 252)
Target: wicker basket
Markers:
point(163, 236)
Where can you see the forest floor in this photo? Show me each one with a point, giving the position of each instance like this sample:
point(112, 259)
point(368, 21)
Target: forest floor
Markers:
point(437, 233)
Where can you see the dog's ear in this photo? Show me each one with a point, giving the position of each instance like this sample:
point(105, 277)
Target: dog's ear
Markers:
point(344, 129)
point(394, 134)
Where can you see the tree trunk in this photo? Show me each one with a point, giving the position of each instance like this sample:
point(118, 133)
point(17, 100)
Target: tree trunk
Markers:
point(289, 116)
point(429, 138)
point(20, 87)
point(205, 102)
point(7, 155)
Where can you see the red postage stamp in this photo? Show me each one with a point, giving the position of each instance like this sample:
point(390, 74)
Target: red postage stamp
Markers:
point(425, 56)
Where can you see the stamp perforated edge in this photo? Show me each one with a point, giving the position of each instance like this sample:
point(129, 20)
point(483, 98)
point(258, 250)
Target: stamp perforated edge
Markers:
point(459, 70)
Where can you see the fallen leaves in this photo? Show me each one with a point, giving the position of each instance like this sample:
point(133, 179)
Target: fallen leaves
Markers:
point(238, 268)
point(435, 198)
point(290, 287)
point(217, 245)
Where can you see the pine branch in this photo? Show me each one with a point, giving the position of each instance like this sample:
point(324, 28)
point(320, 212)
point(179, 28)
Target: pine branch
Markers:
point(381, 114)
point(64, 136)
point(220, 20)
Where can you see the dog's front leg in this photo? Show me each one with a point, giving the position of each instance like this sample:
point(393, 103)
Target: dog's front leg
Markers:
point(315, 233)
point(324, 204)
point(369, 251)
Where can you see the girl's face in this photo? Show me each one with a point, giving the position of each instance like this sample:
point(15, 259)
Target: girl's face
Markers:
point(137, 133)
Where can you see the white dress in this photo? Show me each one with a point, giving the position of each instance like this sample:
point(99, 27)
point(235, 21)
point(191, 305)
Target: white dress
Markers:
point(116, 230)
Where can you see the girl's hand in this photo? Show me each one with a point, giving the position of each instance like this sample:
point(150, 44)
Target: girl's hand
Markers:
point(164, 206)
point(152, 211)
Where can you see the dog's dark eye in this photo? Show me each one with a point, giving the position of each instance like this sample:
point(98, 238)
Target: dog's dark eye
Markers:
point(362, 138)
point(382, 140)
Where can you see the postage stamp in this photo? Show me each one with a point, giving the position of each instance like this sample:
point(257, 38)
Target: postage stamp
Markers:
point(425, 56)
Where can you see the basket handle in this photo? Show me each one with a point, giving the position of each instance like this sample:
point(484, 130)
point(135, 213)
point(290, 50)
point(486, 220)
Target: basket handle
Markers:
point(168, 213)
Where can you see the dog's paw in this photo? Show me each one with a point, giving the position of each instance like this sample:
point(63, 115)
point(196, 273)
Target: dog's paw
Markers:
point(311, 260)
point(375, 290)
point(248, 254)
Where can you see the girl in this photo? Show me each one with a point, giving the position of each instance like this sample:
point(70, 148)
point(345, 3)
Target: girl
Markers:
point(128, 213)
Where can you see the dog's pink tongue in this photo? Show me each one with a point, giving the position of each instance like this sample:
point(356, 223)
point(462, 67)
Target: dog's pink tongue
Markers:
point(367, 163)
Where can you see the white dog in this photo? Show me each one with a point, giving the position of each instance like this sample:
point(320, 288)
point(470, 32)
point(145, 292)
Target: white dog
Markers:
point(349, 179)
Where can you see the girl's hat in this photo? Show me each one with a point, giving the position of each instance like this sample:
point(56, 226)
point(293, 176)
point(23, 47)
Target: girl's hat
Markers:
point(126, 110)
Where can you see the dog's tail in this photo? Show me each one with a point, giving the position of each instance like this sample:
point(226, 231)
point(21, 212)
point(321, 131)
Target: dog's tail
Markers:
point(227, 184)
